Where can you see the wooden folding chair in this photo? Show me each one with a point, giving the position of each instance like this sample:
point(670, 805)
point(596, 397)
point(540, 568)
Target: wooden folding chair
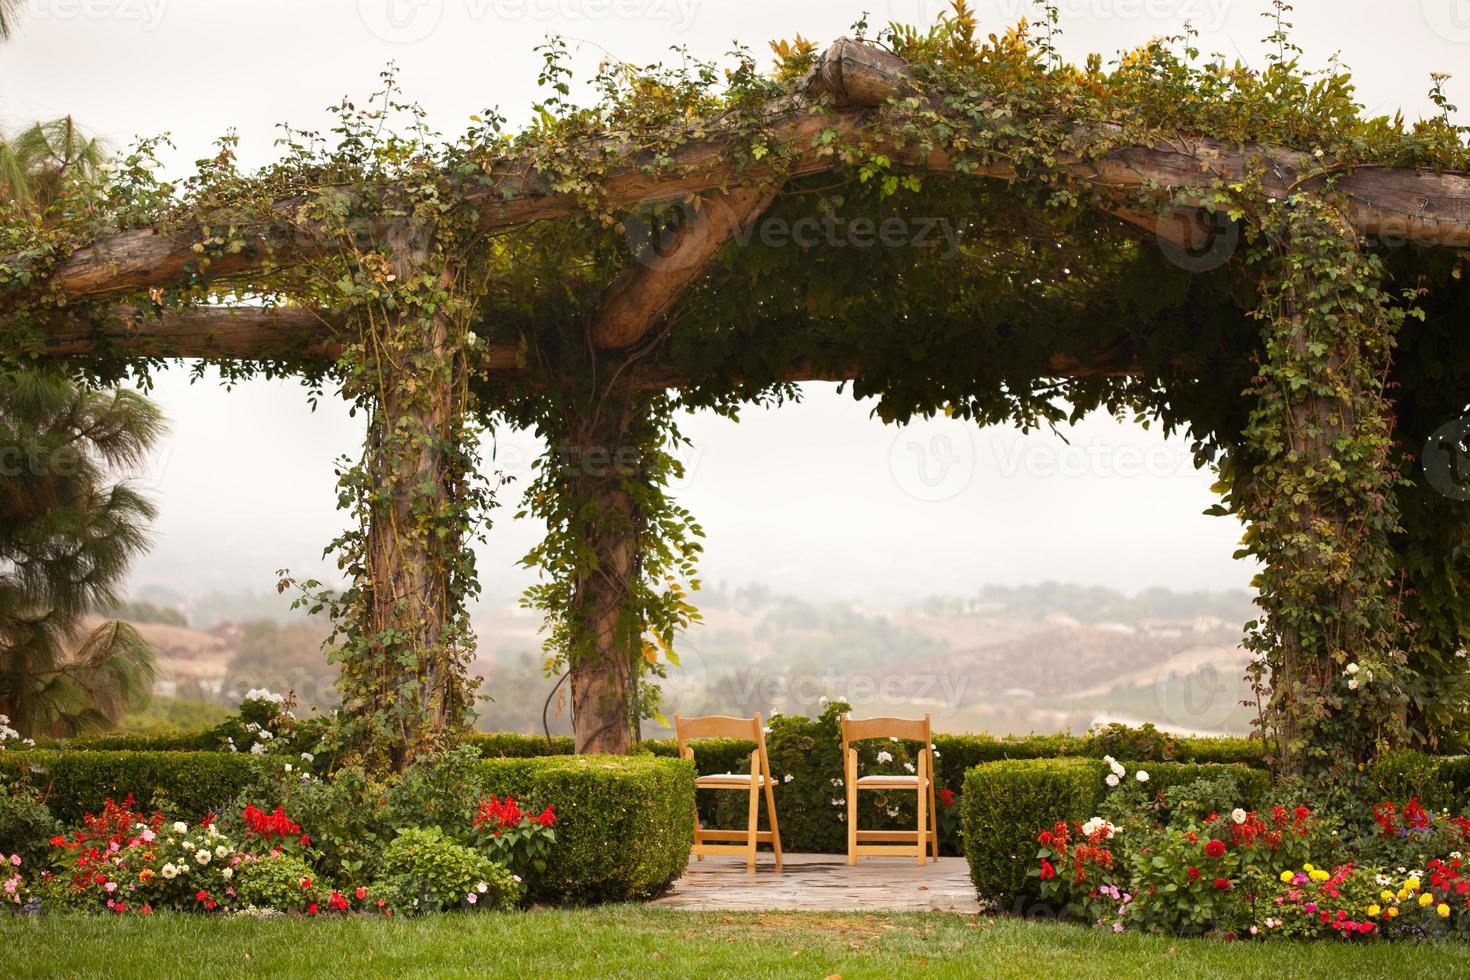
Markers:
point(758, 779)
point(921, 783)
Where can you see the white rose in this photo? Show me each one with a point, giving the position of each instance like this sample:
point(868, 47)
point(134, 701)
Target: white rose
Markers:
point(1353, 684)
point(885, 757)
point(1112, 779)
point(788, 778)
point(1238, 815)
point(181, 828)
point(1141, 776)
point(227, 873)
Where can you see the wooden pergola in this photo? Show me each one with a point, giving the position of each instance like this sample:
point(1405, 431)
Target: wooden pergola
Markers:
point(852, 83)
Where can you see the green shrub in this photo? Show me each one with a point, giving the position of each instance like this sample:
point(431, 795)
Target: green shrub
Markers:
point(424, 870)
point(184, 784)
point(624, 825)
point(512, 745)
point(275, 883)
point(1006, 803)
point(1403, 774)
point(205, 740)
point(26, 827)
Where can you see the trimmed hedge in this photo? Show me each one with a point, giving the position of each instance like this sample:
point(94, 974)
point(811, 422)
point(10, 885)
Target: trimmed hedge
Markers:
point(188, 784)
point(624, 825)
point(206, 740)
point(1005, 804)
point(1438, 781)
point(512, 745)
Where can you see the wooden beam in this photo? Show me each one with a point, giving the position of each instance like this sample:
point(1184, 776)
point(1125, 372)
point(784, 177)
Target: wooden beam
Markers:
point(640, 297)
point(1394, 204)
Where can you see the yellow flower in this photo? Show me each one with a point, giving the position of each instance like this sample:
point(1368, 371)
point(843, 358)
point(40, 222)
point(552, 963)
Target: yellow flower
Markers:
point(1386, 895)
point(1392, 912)
point(1425, 899)
point(1286, 876)
point(1443, 910)
point(1403, 895)
point(1319, 875)
point(1373, 911)
point(1412, 884)
point(1307, 868)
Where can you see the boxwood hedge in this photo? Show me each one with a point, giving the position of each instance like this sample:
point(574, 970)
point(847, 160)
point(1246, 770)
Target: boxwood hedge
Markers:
point(188, 784)
point(624, 825)
point(1006, 803)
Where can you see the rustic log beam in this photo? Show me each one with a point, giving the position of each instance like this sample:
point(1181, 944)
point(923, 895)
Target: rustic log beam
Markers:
point(1392, 204)
point(640, 297)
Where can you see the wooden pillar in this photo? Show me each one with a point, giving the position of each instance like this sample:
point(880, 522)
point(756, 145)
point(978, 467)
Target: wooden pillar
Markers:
point(603, 466)
point(405, 678)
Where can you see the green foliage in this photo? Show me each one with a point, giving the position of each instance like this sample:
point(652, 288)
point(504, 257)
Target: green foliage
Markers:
point(281, 882)
point(1405, 774)
point(26, 825)
point(511, 745)
point(1004, 805)
point(425, 870)
point(186, 784)
point(624, 825)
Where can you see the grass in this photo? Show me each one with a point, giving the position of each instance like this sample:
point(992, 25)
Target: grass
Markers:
point(630, 941)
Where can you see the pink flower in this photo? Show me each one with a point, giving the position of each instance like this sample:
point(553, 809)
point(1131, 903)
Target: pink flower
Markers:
point(15, 860)
point(1117, 927)
point(472, 898)
point(111, 887)
point(1310, 907)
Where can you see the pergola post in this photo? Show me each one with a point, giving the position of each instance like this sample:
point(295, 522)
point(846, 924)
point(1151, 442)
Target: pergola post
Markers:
point(406, 675)
point(602, 465)
point(1320, 504)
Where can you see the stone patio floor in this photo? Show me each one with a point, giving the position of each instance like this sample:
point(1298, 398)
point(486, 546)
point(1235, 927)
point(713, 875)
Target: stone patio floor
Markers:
point(824, 883)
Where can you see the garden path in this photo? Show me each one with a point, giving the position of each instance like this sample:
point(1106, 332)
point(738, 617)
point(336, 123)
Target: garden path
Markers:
point(823, 882)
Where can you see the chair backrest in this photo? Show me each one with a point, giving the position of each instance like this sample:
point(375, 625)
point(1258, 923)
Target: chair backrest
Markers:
point(719, 726)
point(904, 729)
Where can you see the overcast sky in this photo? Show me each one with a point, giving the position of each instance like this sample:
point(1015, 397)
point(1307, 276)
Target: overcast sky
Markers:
point(818, 498)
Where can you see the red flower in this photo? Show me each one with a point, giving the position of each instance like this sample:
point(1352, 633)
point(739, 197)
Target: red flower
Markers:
point(58, 841)
point(1193, 873)
point(946, 798)
point(146, 909)
point(210, 904)
point(361, 893)
point(305, 884)
point(275, 824)
point(1047, 871)
point(1222, 884)
point(1215, 848)
point(311, 909)
point(338, 902)
point(547, 818)
point(201, 895)
point(1212, 818)
point(1044, 838)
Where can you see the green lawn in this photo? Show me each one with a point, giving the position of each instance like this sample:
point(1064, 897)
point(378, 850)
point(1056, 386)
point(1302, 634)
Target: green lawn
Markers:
point(627, 941)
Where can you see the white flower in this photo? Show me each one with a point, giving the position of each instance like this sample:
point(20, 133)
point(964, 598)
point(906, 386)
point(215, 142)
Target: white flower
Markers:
point(308, 758)
point(188, 845)
point(788, 778)
point(265, 736)
point(822, 699)
point(181, 828)
point(168, 870)
point(1353, 684)
point(258, 748)
point(935, 753)
point(909, 766)
point(221, 851)
point(893, 811)
point(767, 729)
point(202, 857)
point(1112, 779)
point(892, 738)
point(1117, 768)
point(836, 781)
point(1238, 815)
point(1352, 668)
point(227, 873)
point(885, 756)
point(288, 767)
point(482, 888)
point(838, 802)
point(1141, 776)
point(1109, 760)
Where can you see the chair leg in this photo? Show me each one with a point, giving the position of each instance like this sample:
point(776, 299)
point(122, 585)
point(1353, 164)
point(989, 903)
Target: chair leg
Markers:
point(850, 783)
point(920, 836)
point(771, 811)
point(933, 816)
point(698, 838)
point(753, 822)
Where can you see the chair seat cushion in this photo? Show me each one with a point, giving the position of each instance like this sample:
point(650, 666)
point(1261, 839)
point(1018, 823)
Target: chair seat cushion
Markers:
point(718, 780)
point(888, 782)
